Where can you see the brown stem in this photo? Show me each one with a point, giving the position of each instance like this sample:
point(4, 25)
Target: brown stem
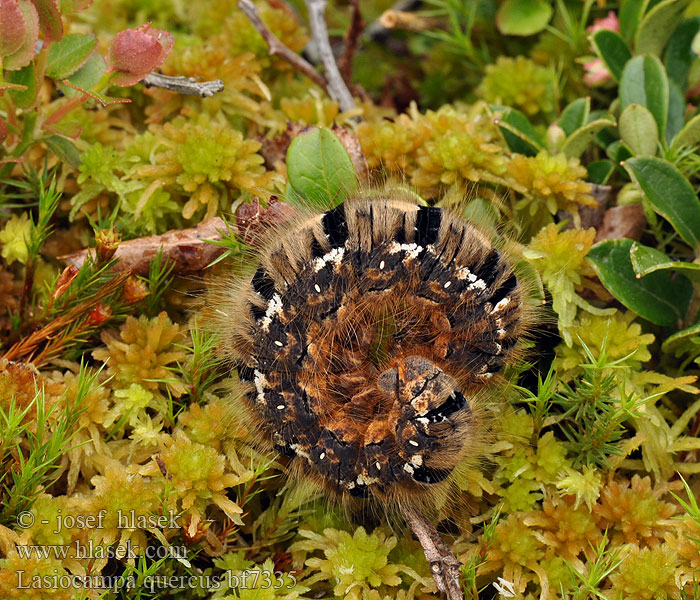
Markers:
point(336, 86)
point(277, 48)
point(188, 86)
point(352, 35)
point(444, 565)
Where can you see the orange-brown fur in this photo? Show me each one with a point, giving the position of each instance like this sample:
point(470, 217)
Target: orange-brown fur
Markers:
point(342, 382)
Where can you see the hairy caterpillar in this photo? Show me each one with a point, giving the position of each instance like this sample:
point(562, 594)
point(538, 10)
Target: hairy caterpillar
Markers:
point(364, 340)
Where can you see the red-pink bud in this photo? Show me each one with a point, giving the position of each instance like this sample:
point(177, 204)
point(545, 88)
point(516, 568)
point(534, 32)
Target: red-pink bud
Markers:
point(134, 53)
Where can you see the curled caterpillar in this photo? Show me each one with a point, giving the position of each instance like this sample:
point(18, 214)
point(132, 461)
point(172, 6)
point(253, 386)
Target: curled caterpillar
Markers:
point(363, 340)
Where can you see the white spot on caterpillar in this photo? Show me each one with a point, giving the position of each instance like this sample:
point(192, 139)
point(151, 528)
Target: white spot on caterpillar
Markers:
point(501, 304)
point(465, 273)
point(499, 322)
point(274, 307)
point(300, 451)
point(498, 348)
point(362, 480)
point(317, 288)
point(334, 256)
point(413, 443)
point(485, 375)
point(423, 420)
point(260, 383)
point(411, 250)
point(447, 284)
point(280, 407)
point(417, 460)
point(500, 333)
point(479, 284)
point(409, 469)
point(322, 456)
point(378, 465)
point(278, 343)
point(381, 265)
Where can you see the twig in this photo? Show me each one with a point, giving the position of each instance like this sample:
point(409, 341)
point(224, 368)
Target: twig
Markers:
point(336, 86)
point(444, 565)
point(277, 48)
point(351, 37)
point(184, 85)
point(189, 249)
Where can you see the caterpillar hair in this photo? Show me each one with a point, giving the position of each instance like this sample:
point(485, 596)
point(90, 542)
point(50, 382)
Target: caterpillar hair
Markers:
point(366, 343)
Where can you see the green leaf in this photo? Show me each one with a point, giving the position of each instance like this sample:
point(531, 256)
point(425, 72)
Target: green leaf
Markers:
point(669, 193)
point(644, 82)
point(638, 130)
point(656, 297)
point(575, 115)
point(631, 12)
point(647, 260)
point(64, 149)
point(599, 171)
point(689, 136)
point(676, 111)
point(517, 130)
point(86, 76)
point(25, 76)
point(676, 341)
point(320, 169)
point(618, 152)
point(68, 55)
point(613, 50)
point(658, 25)
point(523, 17)
point(579, 140)
point(679, 53)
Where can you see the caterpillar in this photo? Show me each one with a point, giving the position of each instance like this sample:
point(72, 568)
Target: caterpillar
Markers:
point(364, 340)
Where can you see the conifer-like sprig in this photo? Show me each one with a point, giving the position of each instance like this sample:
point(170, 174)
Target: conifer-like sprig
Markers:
point(595, 406)
point(31, 450)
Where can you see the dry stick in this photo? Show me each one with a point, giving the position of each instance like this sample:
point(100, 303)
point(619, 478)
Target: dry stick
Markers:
point(277, 48)
point(351, 38)
point(336, 86)
point(444, 565)
point(184, 85)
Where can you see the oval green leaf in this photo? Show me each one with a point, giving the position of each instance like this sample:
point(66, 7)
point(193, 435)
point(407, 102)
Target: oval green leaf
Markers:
point(669, 193)
point(689, 136)
point(656, 297)
point(638, 130)
point(320, 169)
point(647, 260)
point(517, 130)
point(523, 17)
point(678, 340)
point(579, 140)
point(613, 50)
point(658, 25)
point(68, 55)
point(644, 82)
point(599, 171)
point(679, 53)
point(575, 115)
point(630, 15)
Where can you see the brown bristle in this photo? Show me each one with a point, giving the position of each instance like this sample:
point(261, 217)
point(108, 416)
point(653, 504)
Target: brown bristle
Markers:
point(365, 340)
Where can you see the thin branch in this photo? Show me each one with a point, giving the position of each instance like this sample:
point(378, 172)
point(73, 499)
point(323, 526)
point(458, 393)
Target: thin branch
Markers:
point(351, 37)
point(277, 48)
point(188, 86)
point(189, 249)
point(444, 565)
point(336, 86)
